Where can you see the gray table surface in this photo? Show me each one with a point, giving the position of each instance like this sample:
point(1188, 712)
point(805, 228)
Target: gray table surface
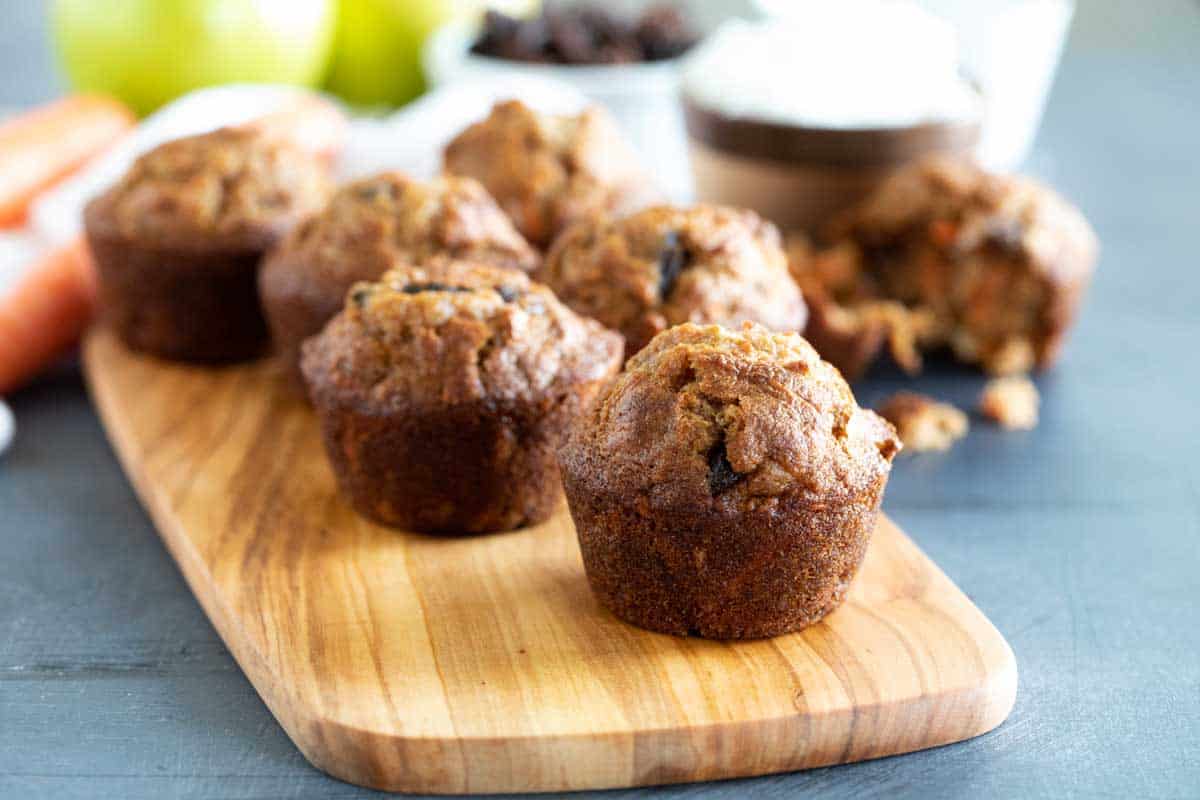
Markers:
point(1081, 540)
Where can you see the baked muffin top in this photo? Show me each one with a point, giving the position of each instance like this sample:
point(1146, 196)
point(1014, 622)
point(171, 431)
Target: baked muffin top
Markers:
point(453, 331)
point(665, 265)
point(709, 417)
point(229, 189)
point(958, 207)
point(547, 171)
point(389, 219)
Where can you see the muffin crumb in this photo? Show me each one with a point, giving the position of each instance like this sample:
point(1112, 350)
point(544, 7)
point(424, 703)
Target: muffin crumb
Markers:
point(924, 424)
point(945, 254)
point(1011, 402)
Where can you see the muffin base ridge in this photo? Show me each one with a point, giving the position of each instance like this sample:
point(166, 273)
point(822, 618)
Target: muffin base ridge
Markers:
point(480, 468)
point(720, 574)
point(179, 304)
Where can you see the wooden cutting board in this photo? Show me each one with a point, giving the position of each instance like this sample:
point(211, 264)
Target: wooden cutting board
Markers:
point(420, 664)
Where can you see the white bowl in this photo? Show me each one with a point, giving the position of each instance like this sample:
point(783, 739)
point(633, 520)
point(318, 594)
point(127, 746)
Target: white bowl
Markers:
point(644, 98)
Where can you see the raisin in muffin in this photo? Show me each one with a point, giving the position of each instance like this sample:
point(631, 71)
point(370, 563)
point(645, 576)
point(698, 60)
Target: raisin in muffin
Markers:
point(665, 265)
point(726, 485)
point(178, 241)
point(370, 226)
point(444, 390)
point(547, 171)
point(946, 254)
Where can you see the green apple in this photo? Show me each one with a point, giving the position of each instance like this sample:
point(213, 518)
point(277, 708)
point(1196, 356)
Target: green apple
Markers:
point(377, 55)
point(147, 52)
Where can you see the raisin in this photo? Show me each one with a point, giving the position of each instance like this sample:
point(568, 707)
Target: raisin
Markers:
point(417, 288)
point(664, 32)
point(507, 293)
point(585, 34)
point(721, 475)
point(672, 260)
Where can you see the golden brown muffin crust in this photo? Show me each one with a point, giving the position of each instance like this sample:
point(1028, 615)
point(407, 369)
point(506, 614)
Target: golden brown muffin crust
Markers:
point(376, 222)
point(548, 171)
point(452, 332)
point(665, 265)
point(734, 419)
point(229, 189)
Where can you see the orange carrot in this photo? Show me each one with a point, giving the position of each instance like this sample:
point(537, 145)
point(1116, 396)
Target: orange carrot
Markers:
point(48, 310)
point(41, 147)
point(45, 313)
point(311, 123)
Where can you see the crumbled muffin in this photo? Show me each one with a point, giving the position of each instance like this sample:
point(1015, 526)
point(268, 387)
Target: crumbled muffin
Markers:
point(923, 423)
point(991, 266)
point(726, 485)
point(548, 171)
point(664, 266)
point(444, 390)
point(1012, 402)
point(370, 226)
point(178, 241)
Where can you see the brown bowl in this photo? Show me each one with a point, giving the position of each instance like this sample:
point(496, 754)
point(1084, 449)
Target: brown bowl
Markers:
point(799, 176)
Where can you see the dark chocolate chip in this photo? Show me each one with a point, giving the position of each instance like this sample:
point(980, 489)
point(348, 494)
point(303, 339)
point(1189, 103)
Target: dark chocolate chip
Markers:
point(721, 475)
point(672, 260)
point(359, 296)
point(418, 288)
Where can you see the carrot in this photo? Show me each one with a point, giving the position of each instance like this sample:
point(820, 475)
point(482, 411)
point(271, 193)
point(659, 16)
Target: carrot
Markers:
point(45, 313)
point(41, 147)
point(311, 123)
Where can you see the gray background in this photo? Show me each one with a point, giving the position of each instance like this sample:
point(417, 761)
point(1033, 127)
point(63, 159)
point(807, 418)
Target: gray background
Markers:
point(1081, 540)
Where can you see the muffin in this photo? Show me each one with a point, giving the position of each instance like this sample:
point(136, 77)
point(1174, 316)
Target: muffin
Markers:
point(664, 265)
point(370, 226)
point(178, 241)
point(444, 390)
point(549, 171)
point(726, 485)
point(945, 254)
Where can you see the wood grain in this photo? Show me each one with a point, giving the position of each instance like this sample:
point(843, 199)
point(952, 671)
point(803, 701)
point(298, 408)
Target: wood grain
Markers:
point(419, 664)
